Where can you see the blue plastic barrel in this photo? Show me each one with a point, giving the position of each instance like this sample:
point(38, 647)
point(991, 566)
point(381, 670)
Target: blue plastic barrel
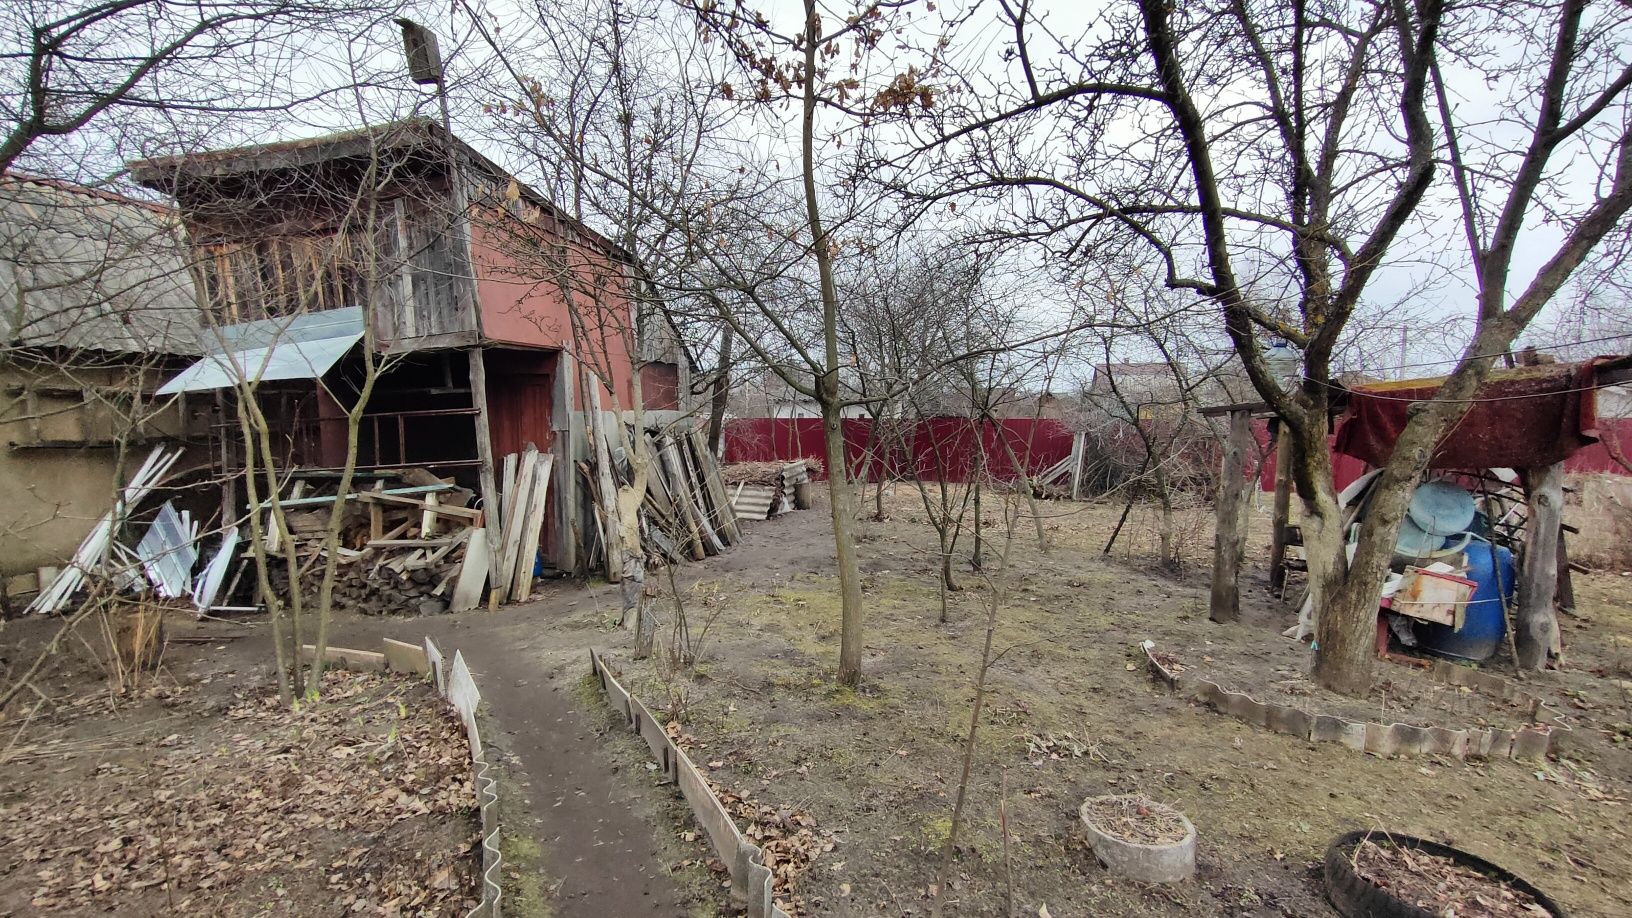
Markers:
point(1483, 624)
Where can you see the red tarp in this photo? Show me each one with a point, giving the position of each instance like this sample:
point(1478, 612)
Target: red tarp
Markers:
point(1596, 457)
point(1345, 469)
point(1527, 417)
point(943, 449)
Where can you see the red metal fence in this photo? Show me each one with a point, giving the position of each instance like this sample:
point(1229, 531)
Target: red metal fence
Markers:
point(946, 448)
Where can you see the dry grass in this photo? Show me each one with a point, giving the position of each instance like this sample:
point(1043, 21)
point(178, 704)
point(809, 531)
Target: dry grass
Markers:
point(1136, 819)
point(877, 766)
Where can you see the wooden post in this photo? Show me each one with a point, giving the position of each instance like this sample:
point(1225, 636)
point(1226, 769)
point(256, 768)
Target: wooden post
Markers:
point(1231, 542)
point(1535, 630)
point(1079, 446)
point(484, 455)
point(1283, 507)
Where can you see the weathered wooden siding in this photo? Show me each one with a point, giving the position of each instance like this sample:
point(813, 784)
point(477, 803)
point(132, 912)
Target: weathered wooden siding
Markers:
point(423, 299)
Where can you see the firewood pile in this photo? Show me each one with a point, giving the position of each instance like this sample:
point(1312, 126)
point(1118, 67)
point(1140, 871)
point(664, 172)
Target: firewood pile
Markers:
point(404, 539)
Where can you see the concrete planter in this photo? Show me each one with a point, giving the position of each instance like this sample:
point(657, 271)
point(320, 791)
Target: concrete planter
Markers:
point(1173, 862)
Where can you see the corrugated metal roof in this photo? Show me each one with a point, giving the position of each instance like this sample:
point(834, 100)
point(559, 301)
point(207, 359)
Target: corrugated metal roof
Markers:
point(92, 270)
point(301, 347)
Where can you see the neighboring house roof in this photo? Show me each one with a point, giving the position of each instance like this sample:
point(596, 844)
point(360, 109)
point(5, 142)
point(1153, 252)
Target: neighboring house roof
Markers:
point(90, 270)
point(408, 138)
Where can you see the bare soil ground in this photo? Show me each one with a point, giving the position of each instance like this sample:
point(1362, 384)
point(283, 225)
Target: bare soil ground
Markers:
point(1070, 714)
point(199, 793)
point(1402, 693)
point(850, 791)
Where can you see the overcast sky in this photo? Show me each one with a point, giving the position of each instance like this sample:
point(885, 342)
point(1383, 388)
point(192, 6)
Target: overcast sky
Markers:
point(1424, 294)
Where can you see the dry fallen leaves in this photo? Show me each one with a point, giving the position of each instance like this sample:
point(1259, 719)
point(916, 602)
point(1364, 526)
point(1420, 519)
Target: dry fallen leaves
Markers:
point(361, 803)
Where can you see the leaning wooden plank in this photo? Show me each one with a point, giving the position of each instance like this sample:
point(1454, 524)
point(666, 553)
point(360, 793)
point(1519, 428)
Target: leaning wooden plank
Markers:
point(521, 584)
point(603, 477)
point(683, 500)
point(710, 472)
point(701, 492)
point(657, 484)
point(506, 490)
point(713, 506)
point(716, 484)
point(467, 591)
point(707, 518)
point(515, 510)
point(1079, 446)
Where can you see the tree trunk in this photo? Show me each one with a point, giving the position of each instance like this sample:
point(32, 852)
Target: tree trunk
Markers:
point(840, 494)
point(1283, 509)
point(839, 487)
point(1231, 538)
point(1535, 630)
point(721, 392)
point(975, 560)
point(1170, 554)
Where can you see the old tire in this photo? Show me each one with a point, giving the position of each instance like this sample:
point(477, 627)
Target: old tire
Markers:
point(1170, 863)
point(1356, 897)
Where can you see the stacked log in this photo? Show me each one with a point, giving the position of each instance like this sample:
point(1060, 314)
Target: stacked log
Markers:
point(400, 549)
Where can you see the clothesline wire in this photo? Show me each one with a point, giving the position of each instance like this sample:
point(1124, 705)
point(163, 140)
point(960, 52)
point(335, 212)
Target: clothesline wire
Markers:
point(1459, 401)
point(1540, 347)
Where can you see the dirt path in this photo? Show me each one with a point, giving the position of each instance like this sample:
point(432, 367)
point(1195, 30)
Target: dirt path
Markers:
point(598, 847)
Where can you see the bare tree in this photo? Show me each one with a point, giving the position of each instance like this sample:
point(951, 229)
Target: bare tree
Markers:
point(127, 65)
point(1271, 155)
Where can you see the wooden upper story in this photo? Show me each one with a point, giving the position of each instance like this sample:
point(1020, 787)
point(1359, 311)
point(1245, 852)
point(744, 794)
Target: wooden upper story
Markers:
point(367, 217)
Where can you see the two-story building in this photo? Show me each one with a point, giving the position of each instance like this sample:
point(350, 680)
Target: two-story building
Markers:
point(490, 312)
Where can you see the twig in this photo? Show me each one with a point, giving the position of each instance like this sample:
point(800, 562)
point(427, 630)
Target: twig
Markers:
point(1003, 825)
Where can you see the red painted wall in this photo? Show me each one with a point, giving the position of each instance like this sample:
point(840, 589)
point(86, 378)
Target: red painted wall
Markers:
point(660, 386)
point(1615, 432)
point(943, 449)
point(523, 306)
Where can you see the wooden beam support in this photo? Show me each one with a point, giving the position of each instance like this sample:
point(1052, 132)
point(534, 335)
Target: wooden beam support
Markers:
point(1535, 627)
point(1283, 507)
point(484, 444)
point(1231, 543)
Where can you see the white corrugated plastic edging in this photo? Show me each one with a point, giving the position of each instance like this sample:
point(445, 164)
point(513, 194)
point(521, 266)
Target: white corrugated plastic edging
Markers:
point(459, 688)
point(744, 860)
